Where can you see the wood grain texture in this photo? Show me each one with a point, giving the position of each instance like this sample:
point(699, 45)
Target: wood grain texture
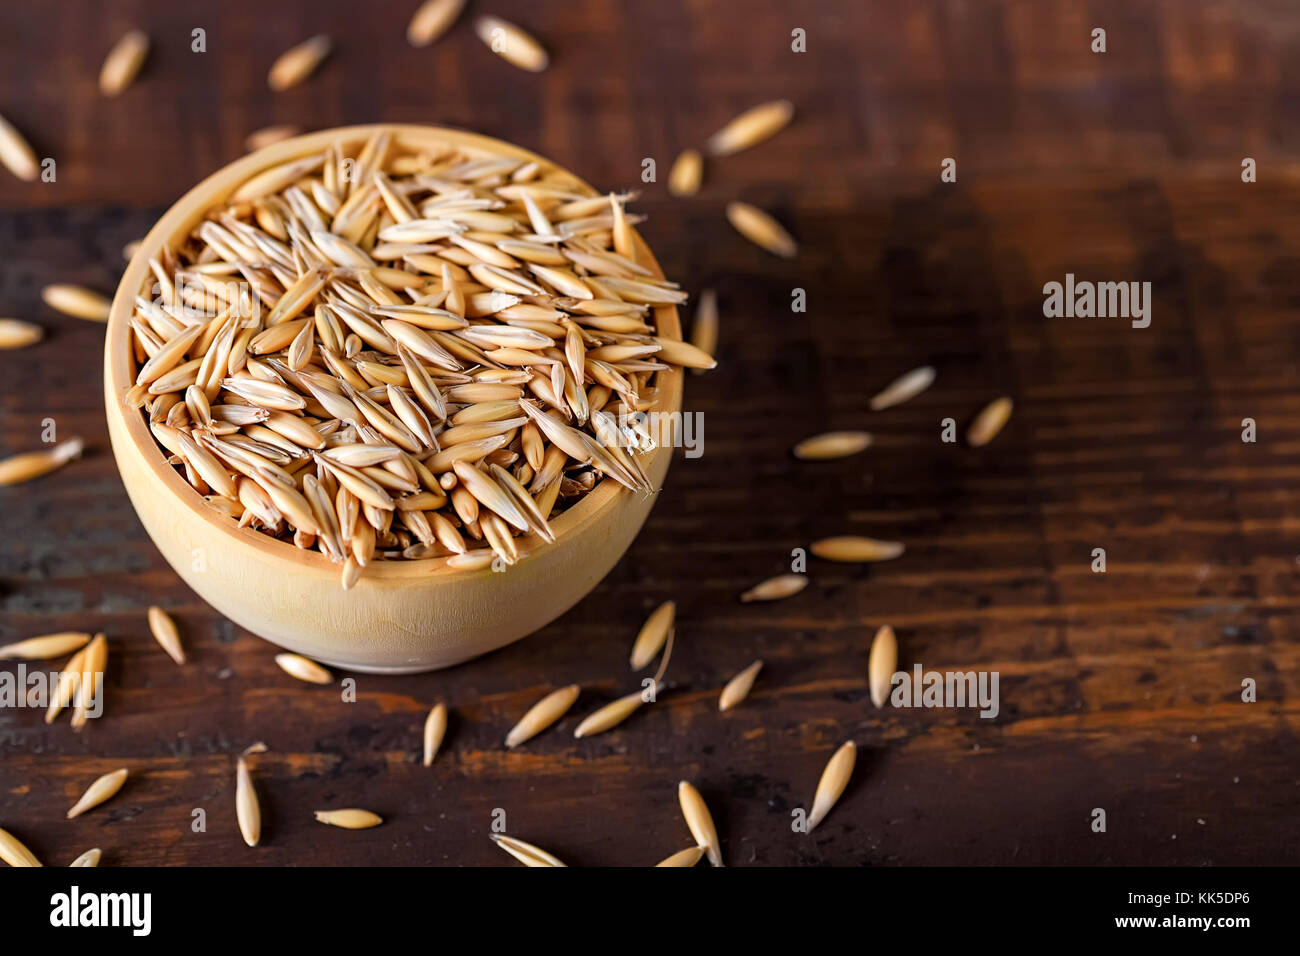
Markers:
point(1119, 691)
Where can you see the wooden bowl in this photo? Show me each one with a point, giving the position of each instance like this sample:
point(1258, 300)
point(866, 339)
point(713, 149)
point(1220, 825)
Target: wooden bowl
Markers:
point(402, 616)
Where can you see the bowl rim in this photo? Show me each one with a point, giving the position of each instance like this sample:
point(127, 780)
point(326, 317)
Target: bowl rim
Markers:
point(187, 211)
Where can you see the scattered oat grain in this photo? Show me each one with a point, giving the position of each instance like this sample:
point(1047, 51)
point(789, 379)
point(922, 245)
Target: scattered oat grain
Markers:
point(904, 388)
point(99, 791)
point(542, 714)
point(687, 857)
point(989, 422)
point(881, 664)
point(44, 647)
point(165, 633)
point(738, 687)
point(751, 127)
point(700, 821)
point(298, 63)
point(525, 853)
point(350, 819)
point(761, 229)
point(17, 334)
point(16, 153)
point(829, 445)
point(431, 20)
point(435, 728)
point(14, 853)
point(512, 44)
point(687, 173)
point(833, 781)
point(856, 549)
point(123, 62)
point(247, 810)
point(76, 301)
point(774, 589)
point(89, 858)
point(295, 665)
point(654, 633)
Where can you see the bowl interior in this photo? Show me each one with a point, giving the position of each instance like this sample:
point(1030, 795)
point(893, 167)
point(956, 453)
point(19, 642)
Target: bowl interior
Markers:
point(190, 210)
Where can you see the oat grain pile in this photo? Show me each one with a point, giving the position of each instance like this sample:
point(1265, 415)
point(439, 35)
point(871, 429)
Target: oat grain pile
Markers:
point(384, 354)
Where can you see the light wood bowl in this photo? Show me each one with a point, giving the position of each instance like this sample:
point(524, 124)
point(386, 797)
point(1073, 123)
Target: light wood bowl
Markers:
point(402, 616)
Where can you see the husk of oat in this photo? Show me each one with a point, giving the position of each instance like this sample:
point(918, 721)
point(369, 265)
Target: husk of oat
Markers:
point(852, 548)
point(653, 634)
point(833, 781)
point(435, 729)
point(349, 819)
point(738, 688)
point(45, 647)
point(989, 422)
point(881, 664)
point(248, 812)
point(777, 588)
point(165, 633)
point(542, 714)
point(525, 853)
point(688, 857)
point(699, 821)
point(295, 665)
point(98, 792)
point(13, 852)
point(123, 62)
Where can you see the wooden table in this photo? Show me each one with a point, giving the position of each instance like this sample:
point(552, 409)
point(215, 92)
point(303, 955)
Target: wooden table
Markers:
point(1119, 691)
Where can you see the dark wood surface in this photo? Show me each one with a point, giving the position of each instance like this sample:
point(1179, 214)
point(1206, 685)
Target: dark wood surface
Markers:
point(1118, 690)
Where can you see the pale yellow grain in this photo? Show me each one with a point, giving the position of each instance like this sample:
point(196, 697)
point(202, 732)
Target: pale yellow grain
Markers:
point(700, 821)
point(611, 715)
point(44, 647)
point(248, 812)
point(165, 633)
point(435, 728)
point(881, 664)
point(989, 422)
point(14, 853)
point(90, 858)
point(830, 445)
point(16, 153)
point(738, 687)
point(525, 853)
point(904, 388)
point(654, 632)
point(833, 781)
point(295, 665)
point(761, 229)
point(542, 714)
point(687, 857)
point(774, 589)
point(76, 301)
point(431, 20)
point(512, 44)
point(349, 819)
point(123, 62)
point(852, 548)
point(17, 334)
point(687, 173)
point(751, 127)
point(296, 64)
point(98, 792)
